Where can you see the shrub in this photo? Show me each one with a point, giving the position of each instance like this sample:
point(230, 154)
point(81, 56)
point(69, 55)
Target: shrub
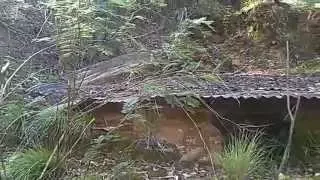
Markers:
point(243, 157)
point(29, 165)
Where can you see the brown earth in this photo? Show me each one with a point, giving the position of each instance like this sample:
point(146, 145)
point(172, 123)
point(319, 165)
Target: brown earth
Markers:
point(172, 126)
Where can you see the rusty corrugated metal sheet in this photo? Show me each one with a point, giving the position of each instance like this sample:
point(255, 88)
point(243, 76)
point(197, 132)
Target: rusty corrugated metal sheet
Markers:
point(228, 86)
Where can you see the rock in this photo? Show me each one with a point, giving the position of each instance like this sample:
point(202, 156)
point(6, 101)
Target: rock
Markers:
point(113, 70)
point(213, 140)
point(37, 101)
point(283, 177)
point(192, 155)
point(155, 150)
point(52, 92)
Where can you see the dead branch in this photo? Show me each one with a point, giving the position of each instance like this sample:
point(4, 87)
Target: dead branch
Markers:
point(201, 137)
point(292, 117)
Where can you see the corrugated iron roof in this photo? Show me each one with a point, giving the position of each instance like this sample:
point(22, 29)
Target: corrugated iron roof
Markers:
point(224, 86)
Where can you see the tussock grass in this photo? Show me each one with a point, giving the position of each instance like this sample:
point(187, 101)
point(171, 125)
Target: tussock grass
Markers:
point(46, 126)
point(244, 156)
point(40, 128)
point(12, 116)
point(29, 165)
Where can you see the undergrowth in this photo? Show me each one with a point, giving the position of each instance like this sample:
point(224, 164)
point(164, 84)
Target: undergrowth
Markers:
point(36, 130)
point(306, 150)
point(80, 25)
point(183, 51)
point(33, 128)
point(29, 165)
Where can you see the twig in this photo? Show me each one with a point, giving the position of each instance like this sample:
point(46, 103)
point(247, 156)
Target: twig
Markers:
point(42, 26)
point(201, 137)
point(77, 141)
point(51, 156)
point(292, 116)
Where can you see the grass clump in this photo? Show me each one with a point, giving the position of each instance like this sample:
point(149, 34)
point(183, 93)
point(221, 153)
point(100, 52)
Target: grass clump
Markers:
point(29, 165)
point(12, 116)
point(47, 125)
point(244, 157)
point(37, 128)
